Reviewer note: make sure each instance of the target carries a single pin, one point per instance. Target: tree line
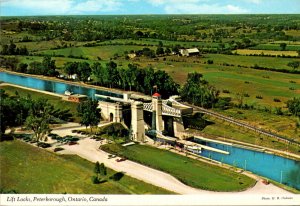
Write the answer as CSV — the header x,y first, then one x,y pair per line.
x,y
12,49
132,78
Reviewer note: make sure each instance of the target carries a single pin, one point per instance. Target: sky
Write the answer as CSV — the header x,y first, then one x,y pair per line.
x,y
107,7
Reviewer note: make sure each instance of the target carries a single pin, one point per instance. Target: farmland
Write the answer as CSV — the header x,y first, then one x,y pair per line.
x,y
266,52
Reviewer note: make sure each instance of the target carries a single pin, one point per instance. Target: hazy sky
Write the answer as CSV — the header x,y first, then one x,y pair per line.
x,y
87,7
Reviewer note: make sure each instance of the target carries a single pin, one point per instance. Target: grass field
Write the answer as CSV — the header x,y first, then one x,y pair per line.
x,y
103,52
28,169
266,52
192,172
232,132
268,84
250,61
282,125
54,100
276,47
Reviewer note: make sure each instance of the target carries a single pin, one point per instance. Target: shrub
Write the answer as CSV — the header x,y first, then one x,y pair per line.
x,y
278,111
246,95
95,180
117,176
210,61
276,100
226,91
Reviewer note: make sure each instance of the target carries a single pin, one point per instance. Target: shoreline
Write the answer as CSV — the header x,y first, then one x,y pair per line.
x,y
74,83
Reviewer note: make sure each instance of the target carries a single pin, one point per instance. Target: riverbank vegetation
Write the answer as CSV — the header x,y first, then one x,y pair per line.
x,y
31,170
191,172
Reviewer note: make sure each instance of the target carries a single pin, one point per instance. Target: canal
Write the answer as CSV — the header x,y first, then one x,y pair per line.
x,y
280,169
53,86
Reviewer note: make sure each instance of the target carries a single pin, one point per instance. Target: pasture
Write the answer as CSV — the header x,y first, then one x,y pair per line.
x,y
276,47
265,52
31,170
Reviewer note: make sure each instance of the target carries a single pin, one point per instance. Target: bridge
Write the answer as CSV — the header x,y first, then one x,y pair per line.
x,y
166,110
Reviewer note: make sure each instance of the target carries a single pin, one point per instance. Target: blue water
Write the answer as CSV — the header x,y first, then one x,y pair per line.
x,y
271,166
52,86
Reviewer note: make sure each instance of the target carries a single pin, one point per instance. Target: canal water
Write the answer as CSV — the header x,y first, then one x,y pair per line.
x,y
53,86
280,169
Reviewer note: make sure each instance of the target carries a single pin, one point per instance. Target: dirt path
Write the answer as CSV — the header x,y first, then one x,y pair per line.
x,y
88,149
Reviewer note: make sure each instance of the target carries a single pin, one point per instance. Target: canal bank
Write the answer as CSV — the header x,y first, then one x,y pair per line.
x,y
282,170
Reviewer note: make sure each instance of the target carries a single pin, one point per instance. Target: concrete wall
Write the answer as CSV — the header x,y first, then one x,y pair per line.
x,y
109,110
137,122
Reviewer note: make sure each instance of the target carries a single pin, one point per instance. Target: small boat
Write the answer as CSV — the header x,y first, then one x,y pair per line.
x,y
68,93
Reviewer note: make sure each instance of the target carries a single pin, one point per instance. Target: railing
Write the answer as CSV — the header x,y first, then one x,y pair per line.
x,y
170,111
148,107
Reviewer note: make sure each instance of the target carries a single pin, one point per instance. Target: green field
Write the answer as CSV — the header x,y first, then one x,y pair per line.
x,y
225,131
276,47
28,169
268,84
282,125
92,53
191,172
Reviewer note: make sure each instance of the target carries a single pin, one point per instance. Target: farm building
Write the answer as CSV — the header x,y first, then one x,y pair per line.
x,y
189,52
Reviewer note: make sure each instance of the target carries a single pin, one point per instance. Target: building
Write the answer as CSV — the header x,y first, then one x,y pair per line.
x,y
189,52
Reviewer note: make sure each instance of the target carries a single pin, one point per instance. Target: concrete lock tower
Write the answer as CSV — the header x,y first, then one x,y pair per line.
x,y
157,113
137,122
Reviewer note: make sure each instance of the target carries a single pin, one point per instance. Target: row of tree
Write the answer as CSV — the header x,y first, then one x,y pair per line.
x,y
133,78
12,49
47,67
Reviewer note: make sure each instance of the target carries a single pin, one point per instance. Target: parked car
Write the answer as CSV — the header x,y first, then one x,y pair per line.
x,y
120,159
72,143
110,156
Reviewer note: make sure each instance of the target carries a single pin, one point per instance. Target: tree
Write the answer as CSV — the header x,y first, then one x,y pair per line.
x,y
160,51
294,64
89,113
22,67
97,169
71,68
197,91
48,66
39,119
294,106
103,170
84,71
12,48
283,46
